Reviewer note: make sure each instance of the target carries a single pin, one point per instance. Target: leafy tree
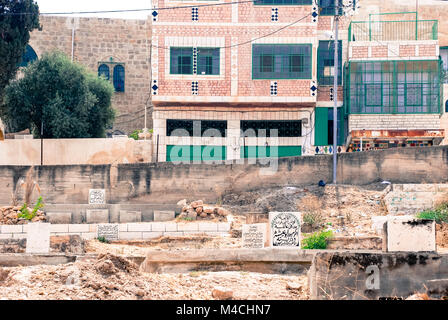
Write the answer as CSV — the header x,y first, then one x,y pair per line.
x,y
71,101
17,19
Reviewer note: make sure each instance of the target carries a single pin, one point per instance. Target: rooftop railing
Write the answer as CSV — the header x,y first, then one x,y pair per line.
x,y
393,30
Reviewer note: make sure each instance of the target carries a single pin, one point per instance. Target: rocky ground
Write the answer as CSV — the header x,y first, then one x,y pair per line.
x,y
110,277
347,210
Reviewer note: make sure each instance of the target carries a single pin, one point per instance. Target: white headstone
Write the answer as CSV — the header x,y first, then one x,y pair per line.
x,y
254,235
406,233
97,196
38,238
285,229
109,232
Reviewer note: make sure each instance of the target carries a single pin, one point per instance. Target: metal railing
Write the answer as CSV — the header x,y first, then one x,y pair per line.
x,y
393,30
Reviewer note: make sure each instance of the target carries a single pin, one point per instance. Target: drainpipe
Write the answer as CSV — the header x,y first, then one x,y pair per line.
x,y
73,40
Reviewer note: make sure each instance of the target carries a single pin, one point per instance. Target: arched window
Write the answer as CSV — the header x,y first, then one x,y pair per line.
x,y
119,78
28,57
103,71
446,106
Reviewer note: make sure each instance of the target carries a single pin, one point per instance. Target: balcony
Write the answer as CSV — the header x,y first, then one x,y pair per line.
x,y
404,30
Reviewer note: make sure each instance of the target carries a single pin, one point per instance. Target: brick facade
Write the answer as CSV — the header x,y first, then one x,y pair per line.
x,y
98,40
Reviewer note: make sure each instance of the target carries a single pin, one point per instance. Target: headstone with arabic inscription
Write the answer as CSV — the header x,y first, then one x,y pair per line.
x,y
254,235
109,232
97,196
285,229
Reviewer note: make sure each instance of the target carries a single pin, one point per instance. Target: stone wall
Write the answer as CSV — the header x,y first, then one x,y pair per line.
x,y
393,121
167,183
98,40
27,152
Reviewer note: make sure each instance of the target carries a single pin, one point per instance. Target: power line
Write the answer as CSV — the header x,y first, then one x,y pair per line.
x,y
125,10
251,40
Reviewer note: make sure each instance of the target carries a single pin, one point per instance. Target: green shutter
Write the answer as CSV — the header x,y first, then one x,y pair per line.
x,y
321,127
265,152
195,153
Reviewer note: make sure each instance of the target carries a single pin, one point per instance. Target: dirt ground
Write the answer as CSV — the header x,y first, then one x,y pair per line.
x,y
111,277
345,209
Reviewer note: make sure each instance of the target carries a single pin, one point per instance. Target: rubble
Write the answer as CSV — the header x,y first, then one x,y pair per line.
x,y
10,215
221,293
197,210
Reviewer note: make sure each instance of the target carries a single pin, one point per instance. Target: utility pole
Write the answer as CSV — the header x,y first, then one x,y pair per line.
x,y
335,93
42,142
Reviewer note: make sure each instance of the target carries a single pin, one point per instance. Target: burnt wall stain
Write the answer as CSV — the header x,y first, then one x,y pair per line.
x,y
363,260
417,222
148,180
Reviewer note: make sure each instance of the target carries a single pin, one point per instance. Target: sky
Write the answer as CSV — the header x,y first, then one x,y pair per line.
x,y
97,5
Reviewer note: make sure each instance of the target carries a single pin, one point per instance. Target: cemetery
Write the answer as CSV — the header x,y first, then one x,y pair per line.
x,y
296,248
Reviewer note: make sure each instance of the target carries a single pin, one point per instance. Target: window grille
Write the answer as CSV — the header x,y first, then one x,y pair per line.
x,y
325,63
119,76
104,71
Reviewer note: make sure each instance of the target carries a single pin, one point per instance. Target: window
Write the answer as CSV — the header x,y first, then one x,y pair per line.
x,y
286,128
386,87
208,61
291,61
328,9
283,2
28,57
201,61
195,128
104,71
325,63
181,61
119,78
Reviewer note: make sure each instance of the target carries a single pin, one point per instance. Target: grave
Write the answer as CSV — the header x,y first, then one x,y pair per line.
x,y
97,196
284,229
38,238
161,216
97,216
405,233
109,232
254,235
130,216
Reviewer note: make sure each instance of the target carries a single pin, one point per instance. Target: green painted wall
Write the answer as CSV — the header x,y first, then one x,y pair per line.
x,y
265,152
195,153
321,127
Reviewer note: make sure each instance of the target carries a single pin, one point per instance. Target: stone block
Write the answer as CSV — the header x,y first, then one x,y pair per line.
x,y
170,226
11,228
59,217
173,234
38,238
19,235
224,226
130,216
208,226
131,235
158,226
139,227
411,234
78,228
254,235
164,216
89,235
188,226
152,235
59,228
378,224
97,216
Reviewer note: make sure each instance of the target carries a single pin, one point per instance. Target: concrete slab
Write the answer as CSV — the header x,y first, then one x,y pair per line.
x,y
163,216
97,216
38,238
59,217
411,234
127,216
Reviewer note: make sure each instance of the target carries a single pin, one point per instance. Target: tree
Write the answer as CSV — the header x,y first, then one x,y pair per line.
x,y
17,19
71,101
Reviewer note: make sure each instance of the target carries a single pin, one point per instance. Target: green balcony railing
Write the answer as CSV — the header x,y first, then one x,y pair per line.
x,y
393,30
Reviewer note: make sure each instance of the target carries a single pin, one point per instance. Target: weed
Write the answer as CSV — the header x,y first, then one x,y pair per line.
x,y
103,240
440,214
318,240
312,209
25,213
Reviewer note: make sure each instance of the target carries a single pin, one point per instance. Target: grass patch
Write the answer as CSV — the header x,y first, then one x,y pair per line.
x,y
317,240
440,214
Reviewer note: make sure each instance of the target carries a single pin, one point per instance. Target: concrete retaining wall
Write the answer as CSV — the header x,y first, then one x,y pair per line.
x,y
413,198
127,231
168,183
373,275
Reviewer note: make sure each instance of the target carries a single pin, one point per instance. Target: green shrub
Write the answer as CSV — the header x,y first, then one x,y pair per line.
x,y
440,214
134,135
25,213
317,240
103,240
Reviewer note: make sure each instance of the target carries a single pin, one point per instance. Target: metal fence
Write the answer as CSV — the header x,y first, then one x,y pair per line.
x,y
393,30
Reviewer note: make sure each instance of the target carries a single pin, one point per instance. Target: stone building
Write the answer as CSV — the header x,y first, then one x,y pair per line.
x,y
117,48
